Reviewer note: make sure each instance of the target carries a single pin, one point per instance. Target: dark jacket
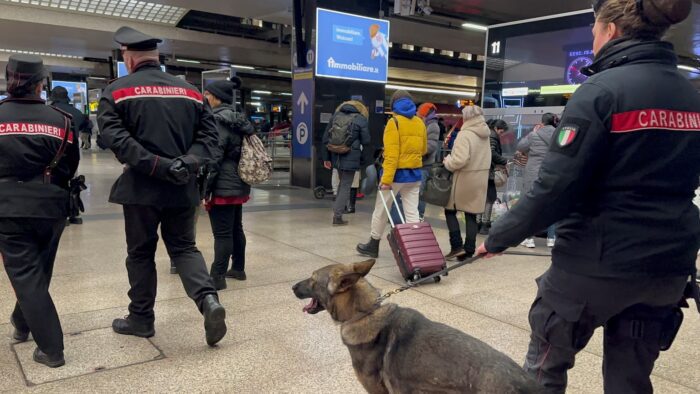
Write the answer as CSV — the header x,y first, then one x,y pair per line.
x,y
148,118
224,180
621,174
31,134
497,158
79,122
361,140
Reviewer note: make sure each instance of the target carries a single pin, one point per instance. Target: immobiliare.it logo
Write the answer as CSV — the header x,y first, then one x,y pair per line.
x,y
352,66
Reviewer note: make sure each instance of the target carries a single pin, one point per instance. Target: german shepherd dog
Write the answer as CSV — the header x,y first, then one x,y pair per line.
x,y
398,350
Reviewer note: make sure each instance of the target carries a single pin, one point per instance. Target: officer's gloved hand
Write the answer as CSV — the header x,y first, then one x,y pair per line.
x,y
178,172
190,162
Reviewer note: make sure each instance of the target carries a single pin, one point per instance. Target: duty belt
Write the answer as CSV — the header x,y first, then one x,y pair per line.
x,y
36,179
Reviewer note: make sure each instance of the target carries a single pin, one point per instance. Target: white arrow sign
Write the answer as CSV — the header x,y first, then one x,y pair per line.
x,y
302,102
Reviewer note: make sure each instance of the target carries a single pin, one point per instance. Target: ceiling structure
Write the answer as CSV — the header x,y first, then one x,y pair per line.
x,y
257,31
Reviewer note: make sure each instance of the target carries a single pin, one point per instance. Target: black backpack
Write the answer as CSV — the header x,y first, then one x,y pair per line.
x,y
340,133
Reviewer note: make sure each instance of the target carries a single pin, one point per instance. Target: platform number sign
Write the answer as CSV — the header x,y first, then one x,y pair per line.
x,y
495,47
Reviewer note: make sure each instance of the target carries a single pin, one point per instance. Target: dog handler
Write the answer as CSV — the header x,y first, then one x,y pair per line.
x,y
620,176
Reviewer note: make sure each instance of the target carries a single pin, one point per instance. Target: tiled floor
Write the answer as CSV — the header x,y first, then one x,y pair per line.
x,y
272,347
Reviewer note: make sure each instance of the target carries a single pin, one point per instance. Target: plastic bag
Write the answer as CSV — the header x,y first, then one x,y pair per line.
x,y
499,209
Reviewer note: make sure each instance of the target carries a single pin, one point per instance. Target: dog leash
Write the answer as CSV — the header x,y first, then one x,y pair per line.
x,y
411,285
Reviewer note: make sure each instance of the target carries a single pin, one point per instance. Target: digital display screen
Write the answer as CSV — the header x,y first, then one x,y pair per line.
x,y
77,92
351,46
538,63
122,71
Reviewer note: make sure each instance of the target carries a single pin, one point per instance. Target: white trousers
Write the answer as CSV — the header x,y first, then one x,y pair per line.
x,y
410,193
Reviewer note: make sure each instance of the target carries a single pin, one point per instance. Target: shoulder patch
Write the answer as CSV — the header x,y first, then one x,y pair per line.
x,y
567,135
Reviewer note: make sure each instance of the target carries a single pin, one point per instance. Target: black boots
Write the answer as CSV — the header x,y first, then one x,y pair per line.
x,y
484,228
338,221
456,246
350,208
219,282
370,249
51,361
214,319
128,326
233,274
18,335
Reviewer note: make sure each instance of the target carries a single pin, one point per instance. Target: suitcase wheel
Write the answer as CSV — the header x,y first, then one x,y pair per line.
x,y
416,277
320,193
437,279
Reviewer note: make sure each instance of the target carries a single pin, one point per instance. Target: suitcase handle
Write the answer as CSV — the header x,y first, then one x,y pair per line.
x,y
388,211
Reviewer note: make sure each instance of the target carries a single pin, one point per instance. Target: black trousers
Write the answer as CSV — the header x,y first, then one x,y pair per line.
x,y
177,229
569,308
28,248
229,238
472,228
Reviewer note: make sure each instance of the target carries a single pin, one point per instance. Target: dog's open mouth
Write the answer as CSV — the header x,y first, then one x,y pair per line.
x,y
313,307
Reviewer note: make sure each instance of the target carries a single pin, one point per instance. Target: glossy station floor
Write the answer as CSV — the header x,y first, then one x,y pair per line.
x,y
272,346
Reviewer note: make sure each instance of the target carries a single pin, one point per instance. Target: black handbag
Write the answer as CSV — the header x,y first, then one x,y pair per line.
x,y
438,186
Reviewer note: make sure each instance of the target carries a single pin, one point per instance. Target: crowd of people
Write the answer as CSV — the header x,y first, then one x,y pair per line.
x,y
628,233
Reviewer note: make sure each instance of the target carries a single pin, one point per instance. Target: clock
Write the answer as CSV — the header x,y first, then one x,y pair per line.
x,y
573,71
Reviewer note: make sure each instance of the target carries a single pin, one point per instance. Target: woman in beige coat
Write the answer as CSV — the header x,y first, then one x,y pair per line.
x,y
469,162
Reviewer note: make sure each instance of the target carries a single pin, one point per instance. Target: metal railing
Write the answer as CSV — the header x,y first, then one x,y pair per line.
x,y
279,147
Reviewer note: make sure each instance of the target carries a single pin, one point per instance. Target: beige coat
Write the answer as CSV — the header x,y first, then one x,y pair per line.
x,y
470,162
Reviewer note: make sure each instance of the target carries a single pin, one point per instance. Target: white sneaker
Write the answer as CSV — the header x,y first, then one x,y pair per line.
x,y
550,242
528,243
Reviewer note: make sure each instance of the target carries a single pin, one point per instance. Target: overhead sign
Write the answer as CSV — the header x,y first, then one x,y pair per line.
x,y
351,46
515,92
302,116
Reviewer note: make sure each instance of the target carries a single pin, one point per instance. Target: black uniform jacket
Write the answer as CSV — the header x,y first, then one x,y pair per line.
x,y
147,119
31,134
621,174
224,180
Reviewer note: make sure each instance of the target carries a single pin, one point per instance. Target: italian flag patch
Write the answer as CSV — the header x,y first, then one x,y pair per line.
x,y
567,135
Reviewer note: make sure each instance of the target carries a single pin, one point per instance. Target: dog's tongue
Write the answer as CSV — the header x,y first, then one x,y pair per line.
x,y
312,304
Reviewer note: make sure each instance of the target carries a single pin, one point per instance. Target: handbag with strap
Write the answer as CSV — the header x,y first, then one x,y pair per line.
x,y
438,186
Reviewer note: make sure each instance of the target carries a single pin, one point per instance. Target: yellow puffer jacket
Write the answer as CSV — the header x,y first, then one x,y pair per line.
x,y
404,147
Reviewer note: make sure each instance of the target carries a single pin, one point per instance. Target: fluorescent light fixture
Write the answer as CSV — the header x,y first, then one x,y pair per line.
x,y
242,67
558,89
688,68
474,26
99,78
256,98
123,9
465,56
444,52
255,104
43,54
428,50
284,72
408,47
285,94
262,91
188,61
430,90
515,92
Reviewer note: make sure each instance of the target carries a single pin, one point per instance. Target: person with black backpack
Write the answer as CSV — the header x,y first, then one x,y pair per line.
x,y
346,138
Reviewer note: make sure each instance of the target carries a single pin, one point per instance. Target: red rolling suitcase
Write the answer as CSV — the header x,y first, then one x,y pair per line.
x,y
415,247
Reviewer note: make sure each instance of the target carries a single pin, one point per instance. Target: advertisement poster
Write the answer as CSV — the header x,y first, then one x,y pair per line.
x,y
351,46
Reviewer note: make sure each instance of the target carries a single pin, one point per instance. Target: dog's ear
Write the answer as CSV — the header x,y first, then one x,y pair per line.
x,y
346,280
343,283
364,267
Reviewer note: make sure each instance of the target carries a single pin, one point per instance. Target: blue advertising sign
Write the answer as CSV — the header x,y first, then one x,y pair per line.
x,y
122,71
302,116
351,46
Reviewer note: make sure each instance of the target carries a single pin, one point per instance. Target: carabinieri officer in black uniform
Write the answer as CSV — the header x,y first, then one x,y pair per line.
x,y
619,182
161,129
38,156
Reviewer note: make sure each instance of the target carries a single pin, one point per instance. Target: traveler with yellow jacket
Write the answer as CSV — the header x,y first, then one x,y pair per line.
x,y
405,144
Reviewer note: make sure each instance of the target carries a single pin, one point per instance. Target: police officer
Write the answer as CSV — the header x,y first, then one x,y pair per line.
x,y
159,127
38,156
619,181
79,123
